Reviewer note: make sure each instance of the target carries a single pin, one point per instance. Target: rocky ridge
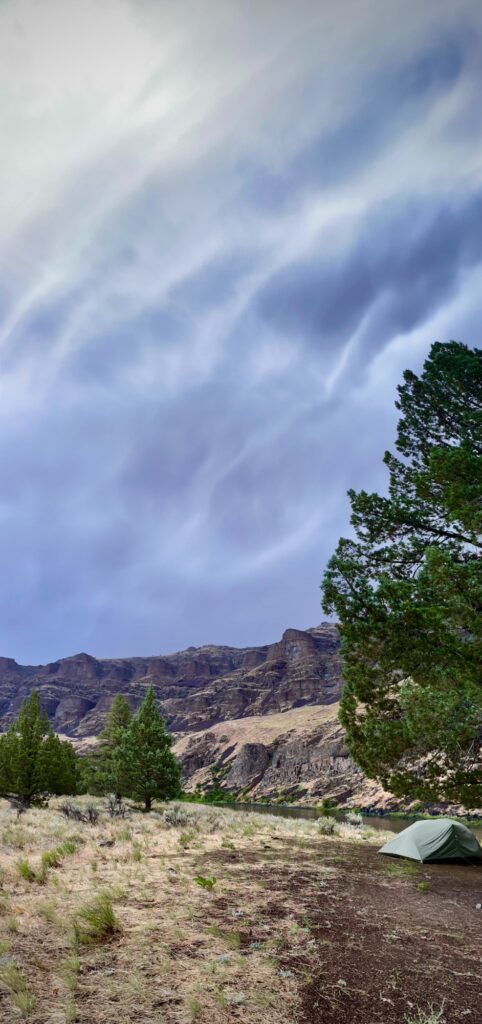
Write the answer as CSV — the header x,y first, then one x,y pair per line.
x,y
197,687
265,718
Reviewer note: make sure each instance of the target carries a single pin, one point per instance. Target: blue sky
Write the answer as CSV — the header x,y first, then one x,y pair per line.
x,y
226,229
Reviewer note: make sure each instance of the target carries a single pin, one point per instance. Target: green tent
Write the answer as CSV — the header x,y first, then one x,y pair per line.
x,y
439,839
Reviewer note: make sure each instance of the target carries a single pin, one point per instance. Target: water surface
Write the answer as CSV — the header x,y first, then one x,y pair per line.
x,y
385,823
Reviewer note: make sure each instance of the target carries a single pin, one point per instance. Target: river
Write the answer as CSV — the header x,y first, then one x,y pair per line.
x,y
385,823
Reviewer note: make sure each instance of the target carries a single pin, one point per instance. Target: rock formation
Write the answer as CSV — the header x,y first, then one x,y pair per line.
x,y
197,687
264,717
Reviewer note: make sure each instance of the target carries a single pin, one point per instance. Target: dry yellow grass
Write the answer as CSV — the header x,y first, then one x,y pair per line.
x,y
179,951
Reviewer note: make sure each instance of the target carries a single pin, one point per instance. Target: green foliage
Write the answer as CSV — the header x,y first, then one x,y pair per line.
x,y
34,762
96,921
143,763
118,719
98,766
25,869
408,593
205,883
327,826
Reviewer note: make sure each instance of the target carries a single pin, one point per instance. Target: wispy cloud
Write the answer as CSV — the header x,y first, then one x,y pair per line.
x,y
224,233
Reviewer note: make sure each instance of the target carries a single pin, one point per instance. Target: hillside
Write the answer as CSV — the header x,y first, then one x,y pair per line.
x,y
298,754
266,716
197,687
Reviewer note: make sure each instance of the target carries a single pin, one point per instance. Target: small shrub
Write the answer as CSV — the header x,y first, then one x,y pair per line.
x,y
70,810
205,883
124,834
136,852
96,921
185,839
177,817
69,846
423,886
71,1012
430,1016
353,818
15,836
91,814
326,826
115,806
52,858
25,869
194,1007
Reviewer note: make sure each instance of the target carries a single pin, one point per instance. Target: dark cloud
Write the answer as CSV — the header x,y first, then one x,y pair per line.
x,y
407,259
177,426
387,103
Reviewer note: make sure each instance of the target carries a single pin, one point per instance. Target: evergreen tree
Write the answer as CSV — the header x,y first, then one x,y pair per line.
x,y
408,593
143,762
118,719
97,768
34,762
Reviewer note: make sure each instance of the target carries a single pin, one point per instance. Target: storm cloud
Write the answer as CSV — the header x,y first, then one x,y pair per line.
x,y
225,232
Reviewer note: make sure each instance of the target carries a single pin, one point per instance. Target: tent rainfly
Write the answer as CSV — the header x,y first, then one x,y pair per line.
x,y
439,839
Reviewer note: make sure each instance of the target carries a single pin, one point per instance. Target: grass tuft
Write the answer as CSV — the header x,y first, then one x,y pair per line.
x,y
96,921
430,1016
25,870
20,994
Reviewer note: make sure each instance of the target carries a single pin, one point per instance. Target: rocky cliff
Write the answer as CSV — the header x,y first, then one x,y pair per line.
x,y
265,718
197,687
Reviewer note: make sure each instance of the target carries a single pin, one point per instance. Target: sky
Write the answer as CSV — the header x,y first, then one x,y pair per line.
x,y
226,228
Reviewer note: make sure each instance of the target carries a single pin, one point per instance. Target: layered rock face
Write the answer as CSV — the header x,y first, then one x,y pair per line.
x,y
265,718
298,754
197,688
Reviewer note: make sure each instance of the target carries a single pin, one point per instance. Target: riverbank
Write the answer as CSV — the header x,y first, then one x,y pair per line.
x,y
379,820
220,916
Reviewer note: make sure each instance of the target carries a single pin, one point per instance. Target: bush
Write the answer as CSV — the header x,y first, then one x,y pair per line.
x,y
96,921
177,817
115,807
326,826
75,813
353,818
70,810
91,814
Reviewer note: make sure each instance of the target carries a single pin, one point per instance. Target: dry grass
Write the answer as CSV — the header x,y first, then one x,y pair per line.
x,y
216,916
110,923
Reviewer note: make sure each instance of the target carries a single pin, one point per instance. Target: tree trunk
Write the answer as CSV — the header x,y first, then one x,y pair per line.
x,y
148,803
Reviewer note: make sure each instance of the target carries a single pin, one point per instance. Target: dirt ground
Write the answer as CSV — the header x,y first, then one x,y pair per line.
x,y
297,927
378,947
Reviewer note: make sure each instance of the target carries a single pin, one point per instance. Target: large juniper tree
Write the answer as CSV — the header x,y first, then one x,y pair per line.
x,y
408,593
143,763
34,762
